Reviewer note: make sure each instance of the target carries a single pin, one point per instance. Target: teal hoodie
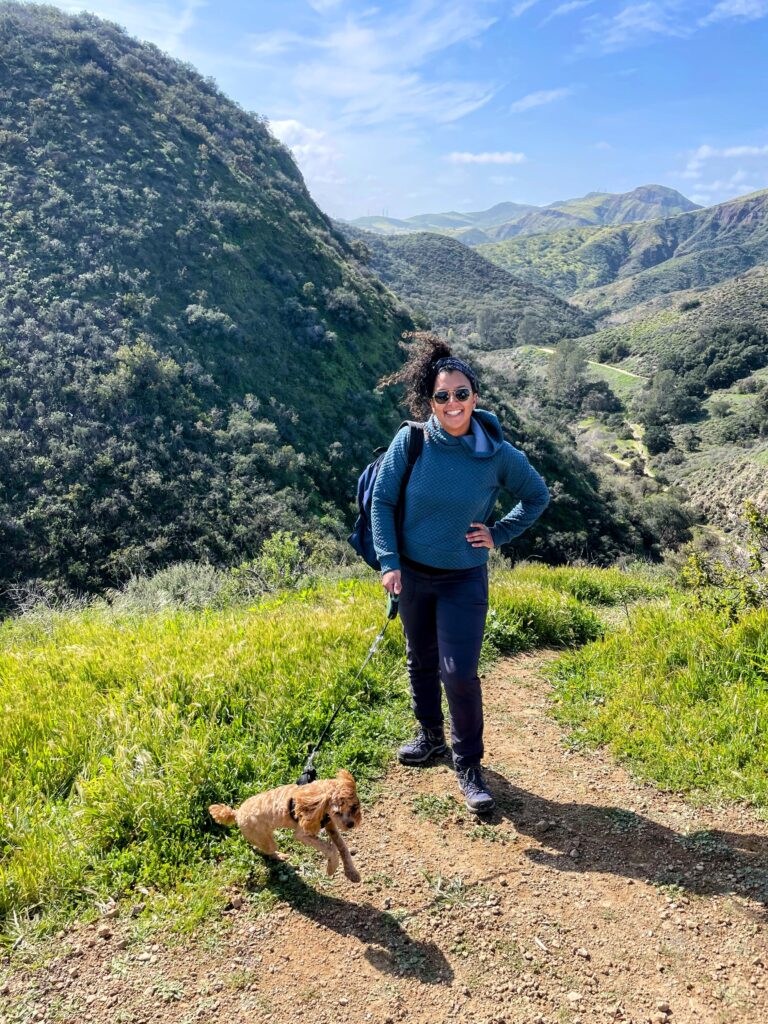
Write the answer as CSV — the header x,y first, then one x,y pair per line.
x,y
454,483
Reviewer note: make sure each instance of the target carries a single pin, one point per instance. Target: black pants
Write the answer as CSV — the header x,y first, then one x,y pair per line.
x,y
444,619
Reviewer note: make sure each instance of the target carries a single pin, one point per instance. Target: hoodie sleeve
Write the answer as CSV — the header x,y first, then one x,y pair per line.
x,y
386,493
520,478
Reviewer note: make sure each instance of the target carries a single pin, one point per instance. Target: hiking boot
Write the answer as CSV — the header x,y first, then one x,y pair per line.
x,y
418,750
476,795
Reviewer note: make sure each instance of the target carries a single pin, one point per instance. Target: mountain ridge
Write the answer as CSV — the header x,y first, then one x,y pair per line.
x,y
646,202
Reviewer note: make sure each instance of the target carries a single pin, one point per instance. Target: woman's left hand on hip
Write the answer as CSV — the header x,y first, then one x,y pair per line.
x,y
479,536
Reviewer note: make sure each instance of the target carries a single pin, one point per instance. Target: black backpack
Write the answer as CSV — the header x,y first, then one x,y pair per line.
x,y
361,538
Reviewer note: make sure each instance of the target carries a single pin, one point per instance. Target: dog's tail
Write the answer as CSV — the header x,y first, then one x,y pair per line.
x,y
223,814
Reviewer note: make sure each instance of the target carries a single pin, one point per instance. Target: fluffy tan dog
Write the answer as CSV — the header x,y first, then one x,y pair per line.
x,y
327,803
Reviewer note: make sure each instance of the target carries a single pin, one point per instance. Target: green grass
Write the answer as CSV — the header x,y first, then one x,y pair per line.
x,y
121,727
682,696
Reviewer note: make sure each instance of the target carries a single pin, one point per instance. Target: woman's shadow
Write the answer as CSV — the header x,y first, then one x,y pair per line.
x,y
388,946
586,837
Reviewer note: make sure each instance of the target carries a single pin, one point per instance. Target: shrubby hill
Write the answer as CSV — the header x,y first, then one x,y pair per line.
x,y
509,220
188,349
604,269
639,337
459,290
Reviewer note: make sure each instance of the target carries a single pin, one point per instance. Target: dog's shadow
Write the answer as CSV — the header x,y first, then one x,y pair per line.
x,y
617,841
388,946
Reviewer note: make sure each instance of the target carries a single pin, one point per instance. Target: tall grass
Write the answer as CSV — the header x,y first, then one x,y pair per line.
x,y
682,696
120,727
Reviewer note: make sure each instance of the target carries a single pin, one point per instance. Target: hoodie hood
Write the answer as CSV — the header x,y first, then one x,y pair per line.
x,y
481,419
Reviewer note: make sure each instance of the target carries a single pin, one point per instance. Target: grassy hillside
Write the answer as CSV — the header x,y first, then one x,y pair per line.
x,y
678,694
188,349
604,269
458,290
121,727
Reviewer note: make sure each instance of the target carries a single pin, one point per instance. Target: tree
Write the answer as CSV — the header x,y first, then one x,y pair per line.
x,y
567,382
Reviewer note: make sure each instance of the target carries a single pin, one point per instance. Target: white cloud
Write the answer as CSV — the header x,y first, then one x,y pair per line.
x,y
522,7
747,10
567,8
314,152
539,99
634,24
369,67
162,22
710,169
323,6
272,44
700,156
638,23
502,179
486,158
603,145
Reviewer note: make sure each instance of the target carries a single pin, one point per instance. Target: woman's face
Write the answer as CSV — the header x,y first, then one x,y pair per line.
x,y
453,416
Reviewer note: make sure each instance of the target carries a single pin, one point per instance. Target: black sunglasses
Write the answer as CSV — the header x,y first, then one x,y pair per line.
x,y
460,394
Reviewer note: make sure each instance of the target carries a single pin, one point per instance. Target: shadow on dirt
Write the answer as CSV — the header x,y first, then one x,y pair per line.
x,y
585,837
388,946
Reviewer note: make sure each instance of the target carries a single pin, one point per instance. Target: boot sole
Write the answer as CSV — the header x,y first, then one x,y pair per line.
x,y
486,809
412,762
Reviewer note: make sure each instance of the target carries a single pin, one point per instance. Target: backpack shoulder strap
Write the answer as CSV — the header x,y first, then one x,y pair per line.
x,y
415,440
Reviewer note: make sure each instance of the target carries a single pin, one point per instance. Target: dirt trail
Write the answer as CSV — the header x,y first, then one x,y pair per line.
x,y
586,898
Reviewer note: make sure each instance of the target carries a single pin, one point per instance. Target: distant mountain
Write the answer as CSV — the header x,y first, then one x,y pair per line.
x,y
604,269
459,290
649,202
510,220
450,223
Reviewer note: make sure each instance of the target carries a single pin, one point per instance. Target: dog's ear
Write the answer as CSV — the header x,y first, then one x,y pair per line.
x,y
311,808
346,777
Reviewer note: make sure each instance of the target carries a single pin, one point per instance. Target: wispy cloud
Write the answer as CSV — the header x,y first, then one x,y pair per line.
x,y
371,66
486,158
563,9
522,7
745,10
636,24
322,6
163,22
539,99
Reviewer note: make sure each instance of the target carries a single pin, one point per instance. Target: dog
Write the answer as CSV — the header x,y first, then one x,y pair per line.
x,y
327,803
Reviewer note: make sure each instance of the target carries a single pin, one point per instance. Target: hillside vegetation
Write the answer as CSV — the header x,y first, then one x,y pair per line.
x,y
188,350
458,290
605,269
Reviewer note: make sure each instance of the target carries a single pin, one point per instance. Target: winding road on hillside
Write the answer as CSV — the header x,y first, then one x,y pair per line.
x,y
588,897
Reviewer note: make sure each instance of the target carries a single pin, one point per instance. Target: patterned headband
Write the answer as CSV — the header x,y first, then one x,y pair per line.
x,y
452,363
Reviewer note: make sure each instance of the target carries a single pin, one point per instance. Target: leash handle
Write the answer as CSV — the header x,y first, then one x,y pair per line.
x,y
310,772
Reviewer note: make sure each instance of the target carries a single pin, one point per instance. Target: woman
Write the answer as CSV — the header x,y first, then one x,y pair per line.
x,y
438,565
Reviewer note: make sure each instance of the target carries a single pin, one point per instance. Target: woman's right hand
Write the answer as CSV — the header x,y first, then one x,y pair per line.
x,y
391,581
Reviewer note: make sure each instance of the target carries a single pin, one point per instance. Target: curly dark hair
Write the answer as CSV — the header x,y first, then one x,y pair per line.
x,y
425,353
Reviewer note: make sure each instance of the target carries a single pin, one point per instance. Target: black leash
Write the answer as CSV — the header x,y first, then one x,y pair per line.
x,y
310,772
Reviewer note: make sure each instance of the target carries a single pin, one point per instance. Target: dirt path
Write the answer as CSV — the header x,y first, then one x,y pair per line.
x,y
586,898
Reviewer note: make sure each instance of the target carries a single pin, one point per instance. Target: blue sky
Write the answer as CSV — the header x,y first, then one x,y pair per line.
x,y
414,106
